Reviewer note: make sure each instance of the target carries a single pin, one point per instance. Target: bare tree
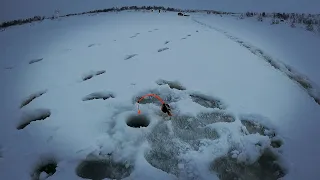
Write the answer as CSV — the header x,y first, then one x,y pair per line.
x,y
260,18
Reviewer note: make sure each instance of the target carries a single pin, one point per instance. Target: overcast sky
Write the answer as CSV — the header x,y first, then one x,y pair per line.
x,y
15,9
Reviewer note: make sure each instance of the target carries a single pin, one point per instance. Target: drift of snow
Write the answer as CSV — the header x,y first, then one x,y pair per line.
x,y
229,107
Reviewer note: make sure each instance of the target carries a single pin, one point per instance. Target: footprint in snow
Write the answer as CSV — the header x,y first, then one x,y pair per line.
x,y
207,101
66,50
92,74
98,95
9,67
135,35
186,37
32,97
130,56
92,45
163,49
172,84
34,115
35,60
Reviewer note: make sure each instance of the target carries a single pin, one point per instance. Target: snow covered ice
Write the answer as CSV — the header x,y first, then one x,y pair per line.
x,y
69,99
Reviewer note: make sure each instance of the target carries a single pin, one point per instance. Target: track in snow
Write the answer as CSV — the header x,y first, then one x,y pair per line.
x,y
295,76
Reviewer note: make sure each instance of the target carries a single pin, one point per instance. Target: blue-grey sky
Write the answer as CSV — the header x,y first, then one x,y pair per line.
x,y
15,9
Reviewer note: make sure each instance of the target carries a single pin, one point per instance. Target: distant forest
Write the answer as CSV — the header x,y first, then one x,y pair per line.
x,y
309,20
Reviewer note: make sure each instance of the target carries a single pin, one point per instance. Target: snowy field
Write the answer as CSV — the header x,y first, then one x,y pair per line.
x,y
243,96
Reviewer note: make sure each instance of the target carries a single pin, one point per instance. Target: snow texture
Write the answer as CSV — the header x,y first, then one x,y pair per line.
x,y
242,106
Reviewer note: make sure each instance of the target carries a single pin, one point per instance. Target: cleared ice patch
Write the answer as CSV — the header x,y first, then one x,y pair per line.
x,y
252,155
33,115
182,133
32,97
164,153
266,167
188,130
99,95
215,117
255,124
101,168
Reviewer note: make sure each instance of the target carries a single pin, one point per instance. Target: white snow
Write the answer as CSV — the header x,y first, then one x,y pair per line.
x,y
43,176
207,62
281,41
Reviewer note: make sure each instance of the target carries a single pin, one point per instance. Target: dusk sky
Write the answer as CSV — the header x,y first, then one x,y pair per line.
x,y
15,9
